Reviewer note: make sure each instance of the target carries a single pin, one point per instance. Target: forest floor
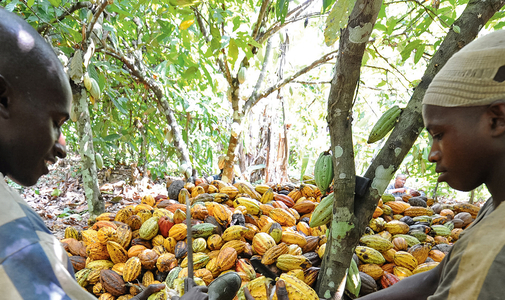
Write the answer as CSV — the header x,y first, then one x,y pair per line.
x,y
59,198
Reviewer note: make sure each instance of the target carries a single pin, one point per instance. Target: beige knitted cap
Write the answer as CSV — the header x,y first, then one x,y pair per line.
x,y
467,77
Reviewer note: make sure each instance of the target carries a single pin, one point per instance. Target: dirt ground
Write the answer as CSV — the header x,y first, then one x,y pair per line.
x,y
59,199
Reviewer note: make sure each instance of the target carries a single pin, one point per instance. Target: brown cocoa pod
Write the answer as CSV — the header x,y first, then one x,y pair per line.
x,y
148,259
112,282
145,243
78,262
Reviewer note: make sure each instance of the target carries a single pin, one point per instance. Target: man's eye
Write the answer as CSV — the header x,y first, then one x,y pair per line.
x,y
437,136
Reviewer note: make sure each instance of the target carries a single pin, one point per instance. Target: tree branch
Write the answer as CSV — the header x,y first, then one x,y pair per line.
x,y
76,6
252,101
257,87
97,14
310,82
278,25
259,21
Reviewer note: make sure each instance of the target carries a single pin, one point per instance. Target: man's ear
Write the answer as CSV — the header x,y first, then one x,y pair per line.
x,y
496,113
4,98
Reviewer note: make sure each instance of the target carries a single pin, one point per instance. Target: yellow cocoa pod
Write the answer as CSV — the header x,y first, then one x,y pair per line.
x,y
116,252
282,217
262,242
406,260
273,253
287,262
131,269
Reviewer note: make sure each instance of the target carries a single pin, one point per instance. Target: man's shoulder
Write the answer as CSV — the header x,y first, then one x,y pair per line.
x,y
20,226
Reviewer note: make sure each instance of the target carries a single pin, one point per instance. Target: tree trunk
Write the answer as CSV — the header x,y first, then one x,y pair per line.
x,y
343,229
406,131
87,152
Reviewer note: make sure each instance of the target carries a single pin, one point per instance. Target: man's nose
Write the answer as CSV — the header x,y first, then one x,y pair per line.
x,y
60,147
434,155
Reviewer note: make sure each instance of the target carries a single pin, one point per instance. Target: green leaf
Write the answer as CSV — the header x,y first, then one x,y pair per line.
x,y
408,49
381,27
419,53
390,23
456,28
305,162
233,51
112,137
120,104
30,3
10,7
326,4
337,19
56,192
281,9
150,111
55,2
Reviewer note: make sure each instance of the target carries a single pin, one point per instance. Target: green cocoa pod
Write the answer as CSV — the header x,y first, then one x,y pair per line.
x,y
323,212
386,122
98,161
323,171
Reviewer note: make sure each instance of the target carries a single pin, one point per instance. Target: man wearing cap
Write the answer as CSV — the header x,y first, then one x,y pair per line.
x,y
464,112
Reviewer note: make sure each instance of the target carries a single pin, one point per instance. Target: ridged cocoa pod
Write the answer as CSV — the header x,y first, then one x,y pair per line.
x,y
169,244
205,275
271,254
149,228
313,257
140,241
148,259
131,269
72,232
212,220
226,258
288,262
178,231
144,215
148,278
244,265
106,234
181,249
199,211
106,296
124,235
112,282
262,242
312,244
116,252
78,262
310,275
89,236
215,242
166,262
94,276
96,251
165,223
101,224
134,221
135,250
123,214
98,289
75,247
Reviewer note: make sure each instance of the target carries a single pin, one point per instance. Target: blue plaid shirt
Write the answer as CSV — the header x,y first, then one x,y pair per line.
x,y
33,264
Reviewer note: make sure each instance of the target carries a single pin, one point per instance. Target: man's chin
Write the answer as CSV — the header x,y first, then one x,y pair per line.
x,y
24,180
